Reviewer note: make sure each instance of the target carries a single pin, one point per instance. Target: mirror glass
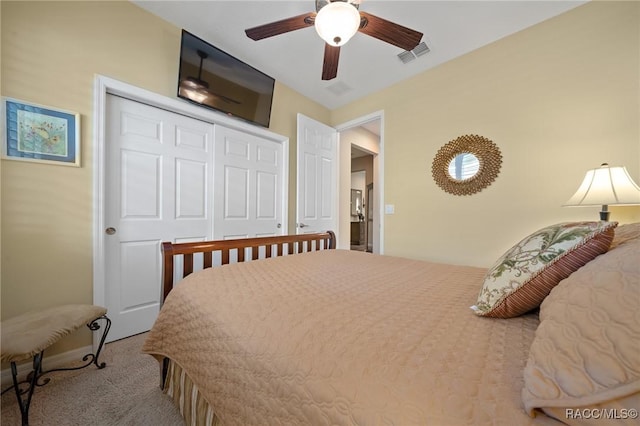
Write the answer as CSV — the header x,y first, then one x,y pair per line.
x,y
356,202
464,166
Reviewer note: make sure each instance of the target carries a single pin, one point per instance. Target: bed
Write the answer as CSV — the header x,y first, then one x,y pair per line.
x,y
304,333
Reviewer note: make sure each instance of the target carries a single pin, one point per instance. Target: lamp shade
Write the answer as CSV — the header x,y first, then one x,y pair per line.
x,y
606,185
337,22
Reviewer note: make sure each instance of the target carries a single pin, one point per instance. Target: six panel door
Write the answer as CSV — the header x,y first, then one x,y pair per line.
x,y
159,181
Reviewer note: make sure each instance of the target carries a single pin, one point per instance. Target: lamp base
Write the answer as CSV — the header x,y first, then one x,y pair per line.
x,y
604,213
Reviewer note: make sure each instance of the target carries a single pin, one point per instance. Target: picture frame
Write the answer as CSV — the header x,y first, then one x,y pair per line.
x,y
41,134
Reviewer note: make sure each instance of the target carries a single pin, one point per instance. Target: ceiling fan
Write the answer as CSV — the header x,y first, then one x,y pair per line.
x,y
197,89
336,21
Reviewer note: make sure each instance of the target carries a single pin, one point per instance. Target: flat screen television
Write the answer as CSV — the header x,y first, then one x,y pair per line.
x,y
214,79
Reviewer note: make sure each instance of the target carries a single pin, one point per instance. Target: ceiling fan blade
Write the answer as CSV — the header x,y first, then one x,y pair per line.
x,y
392,33
330,65
281,27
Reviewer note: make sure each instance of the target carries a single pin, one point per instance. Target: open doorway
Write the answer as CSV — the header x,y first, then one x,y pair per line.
x,y
361,214
358,237
362,140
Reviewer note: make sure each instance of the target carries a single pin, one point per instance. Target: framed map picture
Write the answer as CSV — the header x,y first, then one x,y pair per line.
x,y
40,134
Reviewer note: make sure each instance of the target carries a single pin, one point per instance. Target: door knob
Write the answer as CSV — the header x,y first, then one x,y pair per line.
x,y
110,231
302,225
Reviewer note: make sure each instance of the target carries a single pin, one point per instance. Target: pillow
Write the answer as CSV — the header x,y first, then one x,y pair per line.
x,y
584,362
523,276
625,234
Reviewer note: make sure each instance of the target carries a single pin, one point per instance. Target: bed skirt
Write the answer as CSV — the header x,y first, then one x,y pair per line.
x,y
195,410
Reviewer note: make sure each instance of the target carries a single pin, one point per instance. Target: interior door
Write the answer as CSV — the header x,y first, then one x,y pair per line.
x,y
317,177
158,181
248,192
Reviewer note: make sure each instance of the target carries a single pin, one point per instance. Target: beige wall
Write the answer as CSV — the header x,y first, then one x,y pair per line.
x,y
51,52
558,98
364,164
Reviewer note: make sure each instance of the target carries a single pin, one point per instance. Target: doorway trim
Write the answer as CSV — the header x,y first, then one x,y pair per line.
x,y
379,159
105,85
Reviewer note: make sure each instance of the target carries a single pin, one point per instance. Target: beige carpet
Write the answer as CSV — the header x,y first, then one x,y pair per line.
x,y
125,392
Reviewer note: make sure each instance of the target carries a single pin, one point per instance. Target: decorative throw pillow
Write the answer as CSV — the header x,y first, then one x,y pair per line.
x,y
526,273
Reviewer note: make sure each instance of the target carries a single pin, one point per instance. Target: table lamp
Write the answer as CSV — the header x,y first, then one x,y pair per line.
x,y
605,186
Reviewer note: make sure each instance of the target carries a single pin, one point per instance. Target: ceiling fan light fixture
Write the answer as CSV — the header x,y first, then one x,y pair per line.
x,y
195,83
337,22
198,94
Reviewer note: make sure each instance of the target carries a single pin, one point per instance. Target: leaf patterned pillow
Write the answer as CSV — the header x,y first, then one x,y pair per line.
x,y
523,276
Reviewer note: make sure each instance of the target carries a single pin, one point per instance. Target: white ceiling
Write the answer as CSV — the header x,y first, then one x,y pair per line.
x,y
451,28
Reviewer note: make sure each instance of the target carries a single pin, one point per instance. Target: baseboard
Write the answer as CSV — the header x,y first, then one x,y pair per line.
x,y
48,363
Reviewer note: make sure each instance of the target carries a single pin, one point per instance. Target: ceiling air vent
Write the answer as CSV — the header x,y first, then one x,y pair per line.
x,y
338,88
410,55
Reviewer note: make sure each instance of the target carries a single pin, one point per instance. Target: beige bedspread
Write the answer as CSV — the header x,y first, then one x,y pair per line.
x,y
339,337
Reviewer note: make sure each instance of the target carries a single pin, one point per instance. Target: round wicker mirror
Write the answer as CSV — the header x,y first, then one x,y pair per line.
x,y
466,165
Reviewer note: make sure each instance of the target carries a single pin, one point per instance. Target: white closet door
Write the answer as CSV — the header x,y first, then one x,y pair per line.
x,y
158,185
248,185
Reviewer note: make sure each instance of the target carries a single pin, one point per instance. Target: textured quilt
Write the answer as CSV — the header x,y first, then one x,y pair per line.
x,y
339,337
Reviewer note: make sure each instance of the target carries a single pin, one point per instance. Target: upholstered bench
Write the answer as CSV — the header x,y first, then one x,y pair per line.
x,y
26,336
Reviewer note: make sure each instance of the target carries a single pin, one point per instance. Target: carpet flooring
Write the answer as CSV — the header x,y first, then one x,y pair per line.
x,y
125,392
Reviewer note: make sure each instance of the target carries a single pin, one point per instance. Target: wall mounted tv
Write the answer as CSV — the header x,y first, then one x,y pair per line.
x,y
214,79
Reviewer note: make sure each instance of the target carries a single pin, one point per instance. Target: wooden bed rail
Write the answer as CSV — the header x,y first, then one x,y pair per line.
x,y
273,246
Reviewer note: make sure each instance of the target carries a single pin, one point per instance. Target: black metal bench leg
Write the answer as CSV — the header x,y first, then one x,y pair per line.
x,y
32,379
90,358
93,326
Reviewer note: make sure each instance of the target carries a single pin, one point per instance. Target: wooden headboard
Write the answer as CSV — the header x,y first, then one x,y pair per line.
x,y
273,246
